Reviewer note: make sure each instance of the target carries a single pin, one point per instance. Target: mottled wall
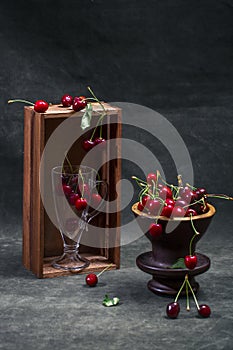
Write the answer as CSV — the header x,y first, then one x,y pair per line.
x,y
172,56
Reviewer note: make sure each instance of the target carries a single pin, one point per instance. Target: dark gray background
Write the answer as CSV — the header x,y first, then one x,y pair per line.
x,y
173,56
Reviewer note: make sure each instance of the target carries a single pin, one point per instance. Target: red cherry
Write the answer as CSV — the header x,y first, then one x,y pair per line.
x,y
188,195
204,310
41,106
153,206
181,203
140,206
145,200
151,178
190,261
100,141
170,201
155,230
79,103
178,212
167,210
73,198
95,200
173,310
81,204
67,100
91,280
67,189
200,192
165,192
190,212
88,145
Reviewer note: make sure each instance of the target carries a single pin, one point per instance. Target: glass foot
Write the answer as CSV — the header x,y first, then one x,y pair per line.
x,y
70,262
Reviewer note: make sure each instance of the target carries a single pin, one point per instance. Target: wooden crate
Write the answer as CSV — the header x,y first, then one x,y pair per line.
x,y
41,239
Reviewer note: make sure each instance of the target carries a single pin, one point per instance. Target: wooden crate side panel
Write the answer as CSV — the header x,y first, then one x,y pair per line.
x,y
27,186
37,229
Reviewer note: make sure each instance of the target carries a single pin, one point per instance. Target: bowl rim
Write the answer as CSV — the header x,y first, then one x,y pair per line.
x,y
208,214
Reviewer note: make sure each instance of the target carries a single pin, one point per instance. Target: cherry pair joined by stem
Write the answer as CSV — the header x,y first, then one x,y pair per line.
x,y
173,308
89,144
77,103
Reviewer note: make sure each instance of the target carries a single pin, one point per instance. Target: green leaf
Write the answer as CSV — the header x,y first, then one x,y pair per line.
x,y
110,302
179,264
86,118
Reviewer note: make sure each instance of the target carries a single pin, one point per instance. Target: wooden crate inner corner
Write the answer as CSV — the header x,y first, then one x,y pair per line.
x,y
41,239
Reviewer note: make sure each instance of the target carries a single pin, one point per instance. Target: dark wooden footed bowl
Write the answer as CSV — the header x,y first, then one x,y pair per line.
x,y
169,247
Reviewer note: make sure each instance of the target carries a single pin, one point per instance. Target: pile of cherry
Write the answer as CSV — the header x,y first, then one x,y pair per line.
x,y
159,198
79,195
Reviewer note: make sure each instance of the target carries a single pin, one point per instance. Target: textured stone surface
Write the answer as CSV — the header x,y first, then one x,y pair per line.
x,y
173,56
63,313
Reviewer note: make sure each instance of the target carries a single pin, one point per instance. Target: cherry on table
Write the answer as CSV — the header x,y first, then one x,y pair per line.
x,y
41,106
204,310
173,309
91,280
67,100
190,261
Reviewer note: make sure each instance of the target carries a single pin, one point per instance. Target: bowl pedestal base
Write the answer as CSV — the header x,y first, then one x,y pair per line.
x,y
167,281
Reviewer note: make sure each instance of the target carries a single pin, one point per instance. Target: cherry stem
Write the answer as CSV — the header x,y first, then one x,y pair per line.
x,y
196,234
180,182
97,124
222,196
92,93
153,187
190,204
81,175
187,296
192,187
137,179
156,184
69,163
182,286
193,294
106,268
19,100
